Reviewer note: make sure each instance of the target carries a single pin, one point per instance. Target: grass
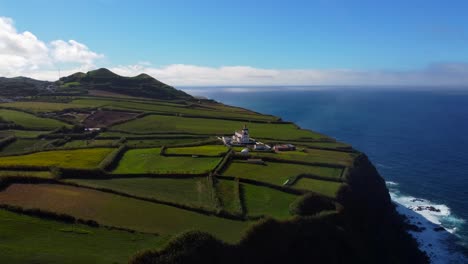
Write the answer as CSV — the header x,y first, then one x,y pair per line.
x,y
28,239
22,133
161,124
39,107
162,107
195,192
80,158
70,84
30,121
207,150
35,174
312,155
229,197
89,143
277,173
160,142
266,201
326,188
24,145
144,161
115,210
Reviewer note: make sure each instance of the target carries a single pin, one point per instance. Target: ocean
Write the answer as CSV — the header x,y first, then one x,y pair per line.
x,y
417,139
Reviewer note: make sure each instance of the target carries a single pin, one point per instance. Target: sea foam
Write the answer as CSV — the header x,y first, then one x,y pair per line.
x,y
436,223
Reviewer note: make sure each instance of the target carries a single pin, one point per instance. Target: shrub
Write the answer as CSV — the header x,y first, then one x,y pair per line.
x,y
310,204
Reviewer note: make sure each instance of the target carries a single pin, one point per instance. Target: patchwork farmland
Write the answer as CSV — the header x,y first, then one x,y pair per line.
x,y
113,173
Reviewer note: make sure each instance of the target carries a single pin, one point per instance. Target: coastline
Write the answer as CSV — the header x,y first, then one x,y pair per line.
x,y
433,238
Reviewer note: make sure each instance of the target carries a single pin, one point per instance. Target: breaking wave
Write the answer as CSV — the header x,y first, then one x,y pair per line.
x,y
437,226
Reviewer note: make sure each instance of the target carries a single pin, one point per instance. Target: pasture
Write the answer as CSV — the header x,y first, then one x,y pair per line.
x,y
24,145
33,174
326,188
115,210
229,196
264,201
89,143
312,155
161,124
27,239
149,161
277,173
30,121
21,133
195,192
169,108
79,158
40,107
206,150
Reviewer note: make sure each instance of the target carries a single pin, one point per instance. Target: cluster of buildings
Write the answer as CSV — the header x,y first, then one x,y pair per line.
x,y
242,138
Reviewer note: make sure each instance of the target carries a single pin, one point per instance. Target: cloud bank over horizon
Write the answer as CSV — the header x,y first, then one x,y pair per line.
x,y
24,54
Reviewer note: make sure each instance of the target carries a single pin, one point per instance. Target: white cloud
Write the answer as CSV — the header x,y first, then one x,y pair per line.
x,y
25,54
192,75
73,51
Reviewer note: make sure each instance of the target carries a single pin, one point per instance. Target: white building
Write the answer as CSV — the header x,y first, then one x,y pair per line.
x,y
242,136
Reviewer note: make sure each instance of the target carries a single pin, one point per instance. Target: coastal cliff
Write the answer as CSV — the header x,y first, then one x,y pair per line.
x,y
365,229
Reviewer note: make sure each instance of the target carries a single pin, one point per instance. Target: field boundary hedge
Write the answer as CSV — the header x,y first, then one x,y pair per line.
x,y
112,159
224,162
7,141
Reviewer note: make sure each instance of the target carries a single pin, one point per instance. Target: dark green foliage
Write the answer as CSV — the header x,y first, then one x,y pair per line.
x,y
6,141
112,160
190,247
21,86
310,204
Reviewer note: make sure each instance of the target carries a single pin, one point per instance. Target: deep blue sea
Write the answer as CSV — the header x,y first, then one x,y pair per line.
x,y
417,139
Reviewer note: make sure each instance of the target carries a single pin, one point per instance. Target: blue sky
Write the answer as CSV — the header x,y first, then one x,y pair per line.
x,y
324,36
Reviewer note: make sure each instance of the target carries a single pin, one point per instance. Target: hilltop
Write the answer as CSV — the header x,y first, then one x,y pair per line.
x,y
142,85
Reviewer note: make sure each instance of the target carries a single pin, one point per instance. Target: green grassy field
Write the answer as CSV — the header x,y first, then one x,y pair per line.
x,y
312,155
229,197
22,133
196,192
142,143
39,107
89,143
207,150
35,174
80,158
277,173
266,201
26,239
326,188
30,121
158,123
115,210
144,161
24,145
168,108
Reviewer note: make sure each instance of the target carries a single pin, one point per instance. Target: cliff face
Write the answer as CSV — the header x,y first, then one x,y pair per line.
x,y
368,214
366,229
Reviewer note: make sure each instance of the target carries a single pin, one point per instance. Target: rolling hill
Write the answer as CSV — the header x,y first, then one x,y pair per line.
x,y
142,85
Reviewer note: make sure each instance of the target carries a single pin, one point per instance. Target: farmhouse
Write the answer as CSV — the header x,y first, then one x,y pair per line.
x,y
285,147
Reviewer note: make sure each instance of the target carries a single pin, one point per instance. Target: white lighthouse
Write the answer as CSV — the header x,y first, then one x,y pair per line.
x,y
242,136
